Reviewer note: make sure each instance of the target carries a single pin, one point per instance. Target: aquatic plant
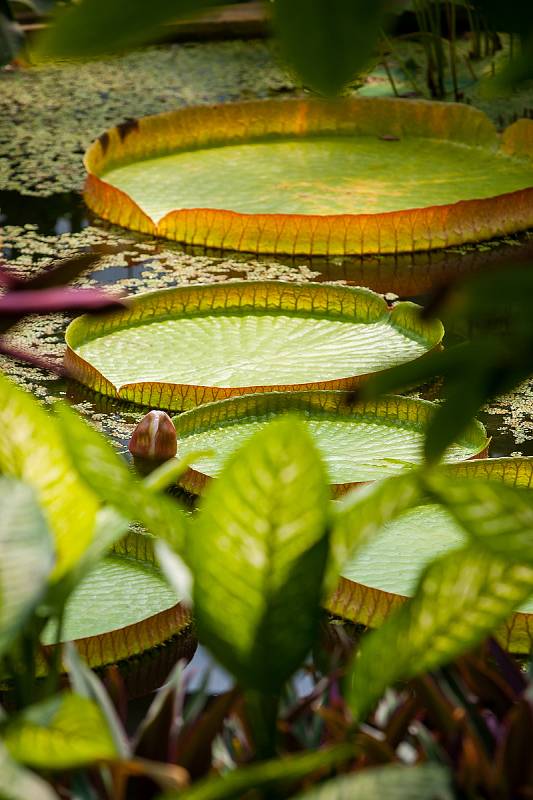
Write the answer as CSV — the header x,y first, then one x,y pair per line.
x,y
388,184
218,340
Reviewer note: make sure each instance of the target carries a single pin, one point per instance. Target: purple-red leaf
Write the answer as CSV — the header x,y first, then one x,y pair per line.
x,y
44,301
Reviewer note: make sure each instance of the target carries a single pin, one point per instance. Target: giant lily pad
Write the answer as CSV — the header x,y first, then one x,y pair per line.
x,y
178,348
358,443
384,573
365,175
124,608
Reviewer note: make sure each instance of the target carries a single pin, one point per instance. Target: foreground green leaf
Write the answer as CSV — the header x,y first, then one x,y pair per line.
x,y
109,476
63,732
96,27
460,599
328,43
496,516
27,557
86,683
32,449
258,553
362,513
392,782
269,773
17,783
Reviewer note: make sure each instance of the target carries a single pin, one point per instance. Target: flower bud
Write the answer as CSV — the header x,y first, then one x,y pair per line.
x,y
154,438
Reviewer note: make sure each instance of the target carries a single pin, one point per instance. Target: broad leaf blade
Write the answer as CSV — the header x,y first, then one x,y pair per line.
x,y
96,27
17,783
27,557
86,683
32,449
109,476
328,43
363,512
496,516
258,553
63,732
392,782
460,599
268,773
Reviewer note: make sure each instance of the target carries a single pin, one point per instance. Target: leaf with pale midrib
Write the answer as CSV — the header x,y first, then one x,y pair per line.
x,y
32,449
460,599
258,553
63,732
391,782
17,783
496,516
109,476
27,557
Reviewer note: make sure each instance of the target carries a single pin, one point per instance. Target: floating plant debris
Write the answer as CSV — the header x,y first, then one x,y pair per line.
x,y
178,348
358,443
384,573
363,176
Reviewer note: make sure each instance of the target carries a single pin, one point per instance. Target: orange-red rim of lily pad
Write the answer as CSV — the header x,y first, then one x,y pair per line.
x,y
317,300
409,230
131,641
369,606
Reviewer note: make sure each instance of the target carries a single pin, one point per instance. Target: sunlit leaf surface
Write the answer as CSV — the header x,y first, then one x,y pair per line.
x,y
178,348
258,553
27,556
363,175
357,443
60,733
403,538
32,449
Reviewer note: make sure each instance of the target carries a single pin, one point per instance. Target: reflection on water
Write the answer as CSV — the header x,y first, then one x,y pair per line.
x,y
57,214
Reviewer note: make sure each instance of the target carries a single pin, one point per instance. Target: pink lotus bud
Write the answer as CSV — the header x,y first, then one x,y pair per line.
x,y
154,438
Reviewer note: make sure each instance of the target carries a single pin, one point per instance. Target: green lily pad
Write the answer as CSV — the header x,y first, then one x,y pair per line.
x,y
364,175
385,571
123,607
178,348
359,443
321,175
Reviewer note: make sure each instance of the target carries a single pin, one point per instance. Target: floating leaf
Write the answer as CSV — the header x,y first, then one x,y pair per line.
x,y
258,553
394,538
101,617
495,516
460,599
27,557
219,340
63,732
32,449
358,443
313,178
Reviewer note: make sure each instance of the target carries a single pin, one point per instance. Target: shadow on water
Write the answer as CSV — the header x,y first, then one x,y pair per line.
x,y
57,214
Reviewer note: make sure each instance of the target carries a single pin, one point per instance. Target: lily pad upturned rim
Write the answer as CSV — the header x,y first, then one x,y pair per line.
x,y
408,230
369,606
311,300
132,641
403,411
